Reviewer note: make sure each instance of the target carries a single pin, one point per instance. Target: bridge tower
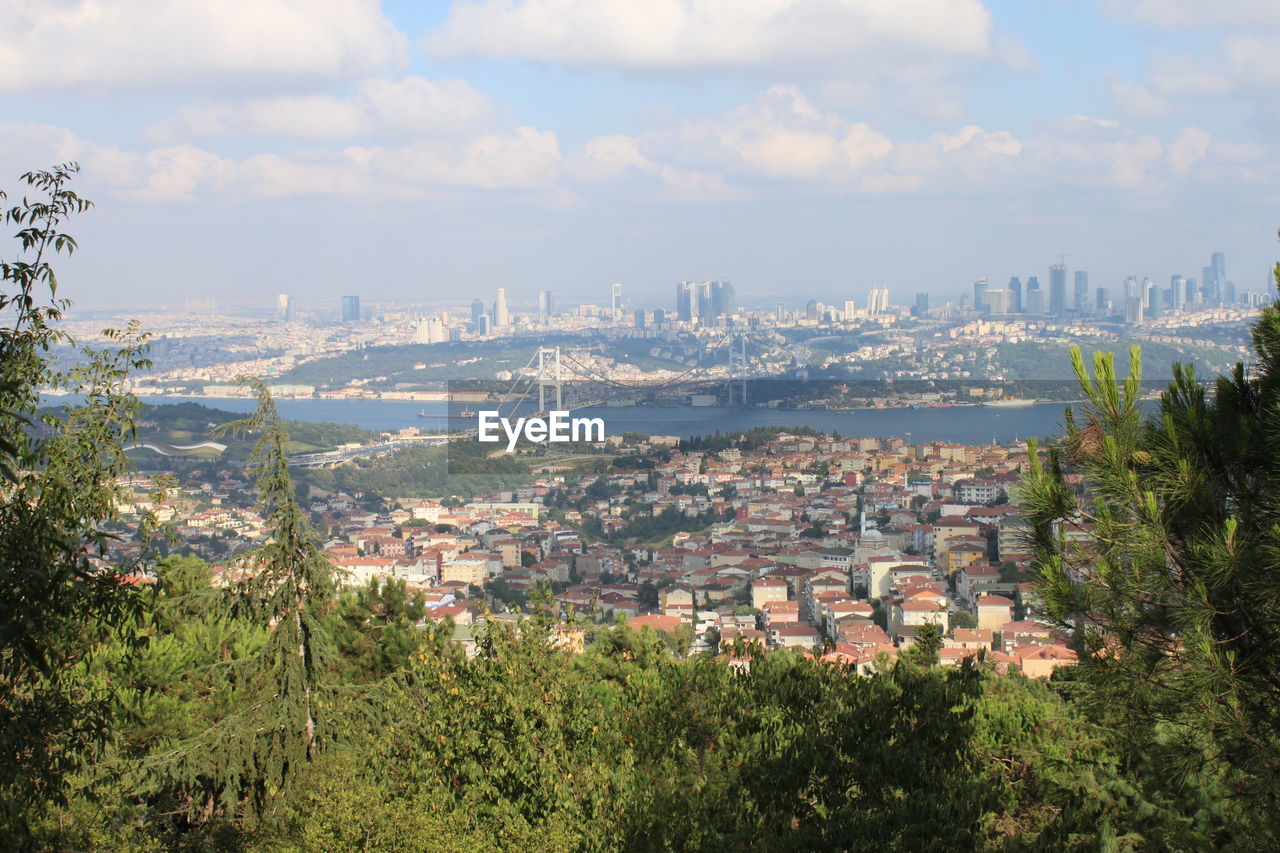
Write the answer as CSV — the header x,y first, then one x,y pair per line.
x,y
737,370
549,374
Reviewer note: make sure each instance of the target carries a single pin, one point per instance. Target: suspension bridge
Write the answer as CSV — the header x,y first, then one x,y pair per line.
x,y
556,380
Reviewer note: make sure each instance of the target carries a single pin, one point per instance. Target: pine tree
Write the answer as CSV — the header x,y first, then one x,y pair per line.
x,y
231,770
1176,595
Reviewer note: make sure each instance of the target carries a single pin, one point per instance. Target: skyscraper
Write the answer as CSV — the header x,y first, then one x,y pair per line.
x,y
282,304
1208,284
477,311
849,310
704,301
980,294
615,301
351,309
811,310
546,306
997,301
1080,302
722,299
686,301
921,308
1058,290
1033,299
1155,301
1015,298
1102,302
500,315
1178,291
290,310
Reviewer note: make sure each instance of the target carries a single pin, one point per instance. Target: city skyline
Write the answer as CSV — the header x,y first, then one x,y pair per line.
x,y
530,145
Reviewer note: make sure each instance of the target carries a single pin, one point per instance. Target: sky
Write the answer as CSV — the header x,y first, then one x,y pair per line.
x,y
803,149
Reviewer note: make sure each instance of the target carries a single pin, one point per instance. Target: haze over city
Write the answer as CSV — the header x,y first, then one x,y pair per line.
x,y
237,150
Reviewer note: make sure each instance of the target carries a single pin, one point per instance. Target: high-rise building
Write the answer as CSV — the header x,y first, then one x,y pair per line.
x,y
477,311
980,294
878,301
723,299
1155,301
282,303
686,301
704,301
921,308
1058,290
1131,288
639,318
1033,299
1102,302
659,318
1015,298
1034,302
615,301
1211,286
1080,300
1133,309
546,306
997,301
351,309
811,310
286,308
501,317
485,325
1177,292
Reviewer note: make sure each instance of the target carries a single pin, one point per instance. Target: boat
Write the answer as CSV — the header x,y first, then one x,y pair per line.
x,y
464,414
1009,402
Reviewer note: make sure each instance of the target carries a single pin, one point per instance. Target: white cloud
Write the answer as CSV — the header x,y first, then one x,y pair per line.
x,y
675,34
411,106
1136,100
172,44
1242,59
778,143
1190,147
615,160
1199,14
523,160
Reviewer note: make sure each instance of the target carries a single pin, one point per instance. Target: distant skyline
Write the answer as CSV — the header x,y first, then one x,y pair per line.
x,y
817,147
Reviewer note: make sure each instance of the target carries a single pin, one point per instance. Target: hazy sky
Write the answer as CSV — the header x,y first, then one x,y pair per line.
x,y
237,148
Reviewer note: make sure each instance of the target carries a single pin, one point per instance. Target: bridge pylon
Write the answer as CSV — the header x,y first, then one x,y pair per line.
x,y
549,360
738,371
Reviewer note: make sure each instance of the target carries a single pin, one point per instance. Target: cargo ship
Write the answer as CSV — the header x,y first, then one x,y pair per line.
x,y
1009,403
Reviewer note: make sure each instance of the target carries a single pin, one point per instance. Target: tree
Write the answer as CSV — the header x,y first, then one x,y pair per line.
x,y
62,594
1175,599
229,770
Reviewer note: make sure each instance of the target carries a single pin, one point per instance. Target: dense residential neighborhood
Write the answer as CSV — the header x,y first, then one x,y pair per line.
x,y
840,548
